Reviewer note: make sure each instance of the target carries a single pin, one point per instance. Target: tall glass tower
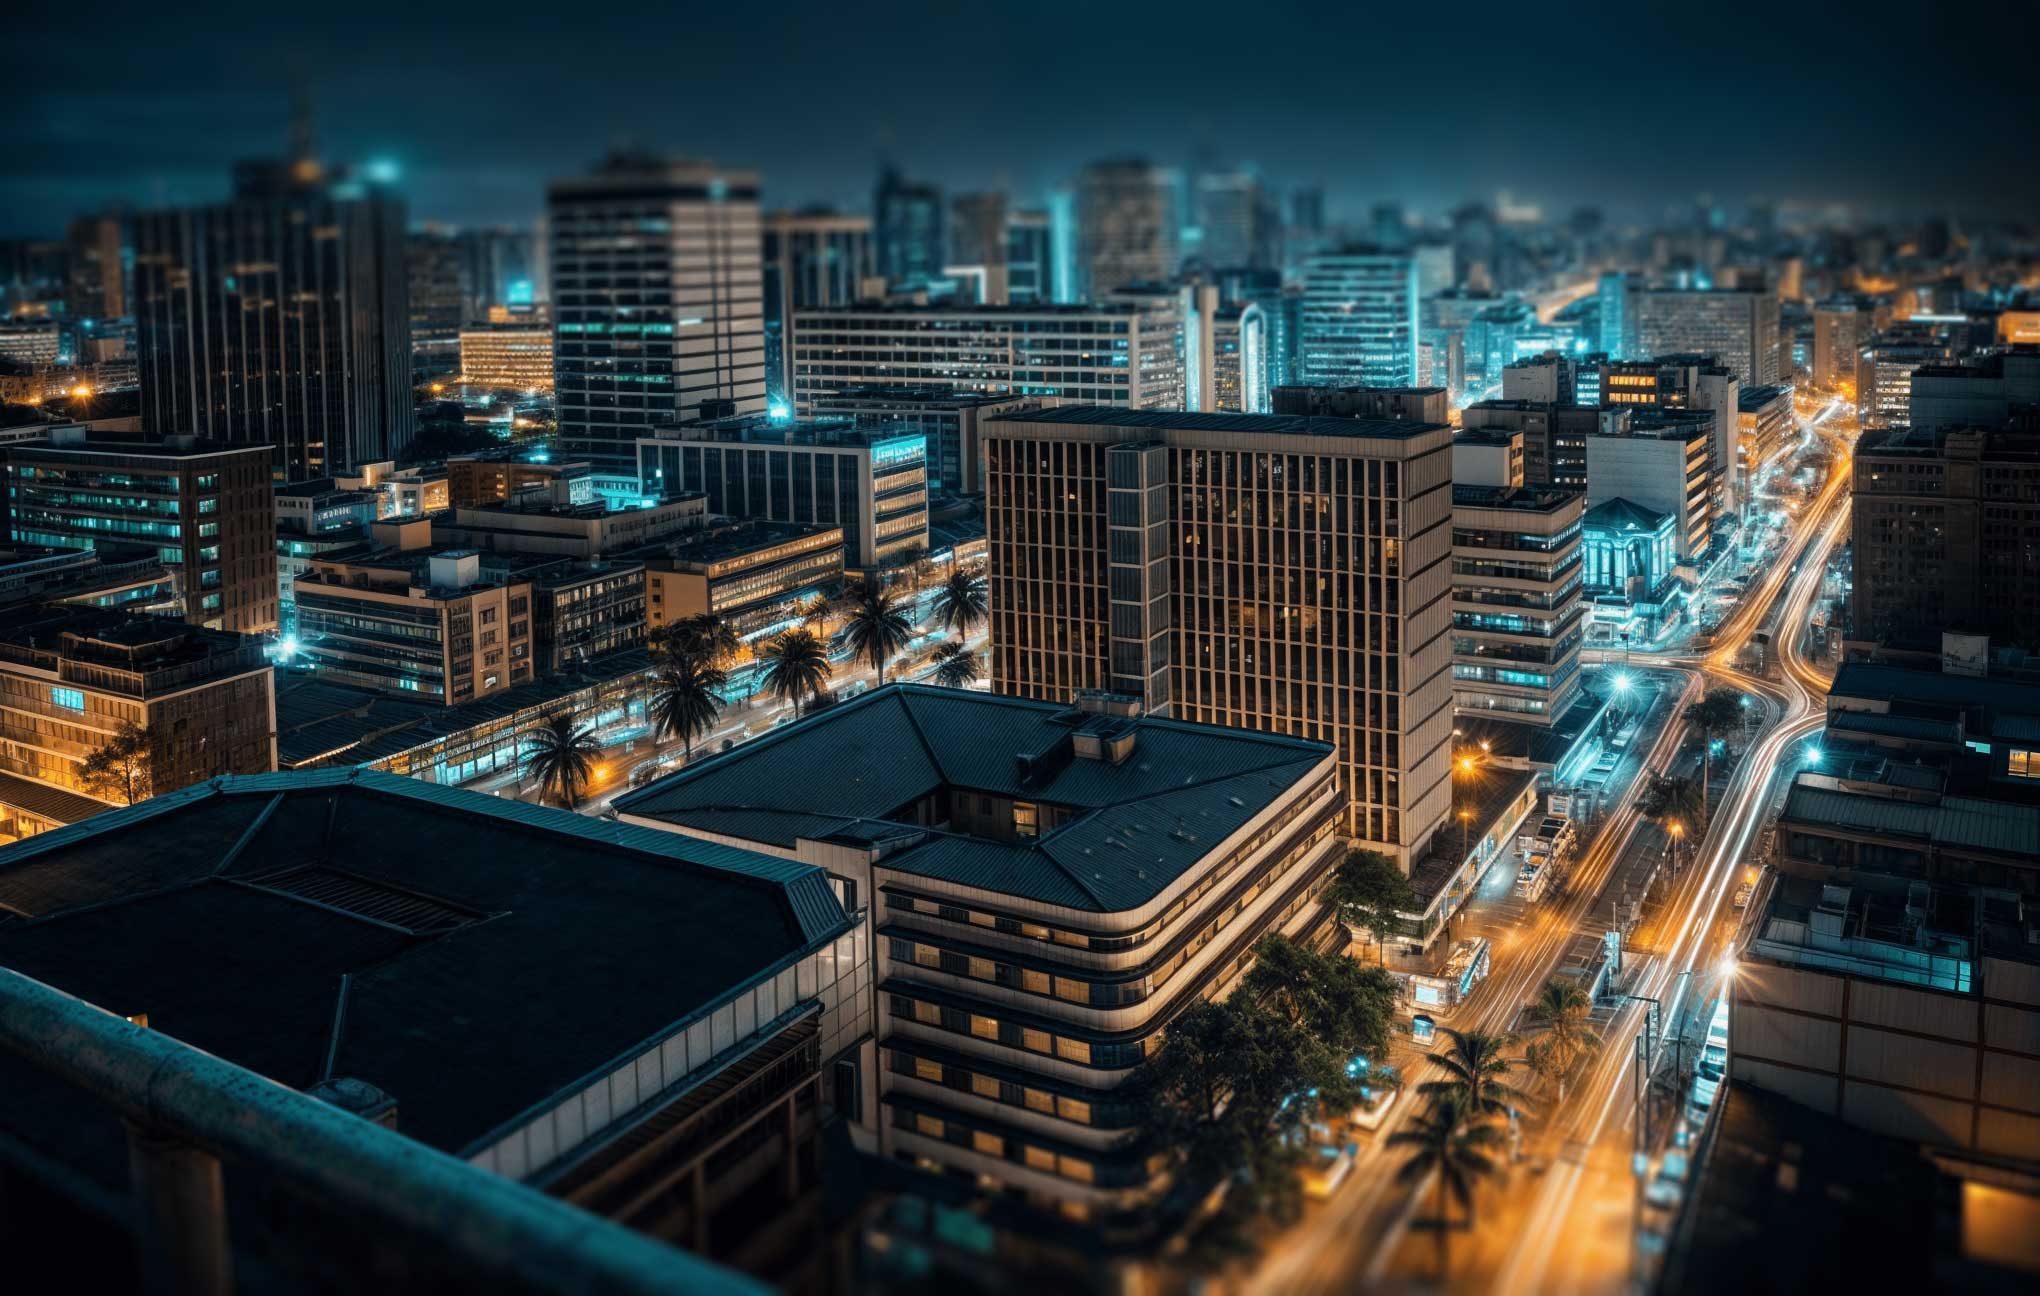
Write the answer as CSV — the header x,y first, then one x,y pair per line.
x,y
1359,320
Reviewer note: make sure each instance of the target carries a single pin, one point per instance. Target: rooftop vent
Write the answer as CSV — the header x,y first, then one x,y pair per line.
x,y
421,915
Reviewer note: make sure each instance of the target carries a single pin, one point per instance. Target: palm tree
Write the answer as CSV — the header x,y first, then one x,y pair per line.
x,y
1478,1074
704,635
1562,1009
814,611
960,604
1715,714
955,665
1674,803
685,701
876,628
1444,1141
796,667
560,754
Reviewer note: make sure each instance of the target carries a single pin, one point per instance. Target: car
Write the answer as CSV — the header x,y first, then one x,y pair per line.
x,y
1326,1169
1713,1062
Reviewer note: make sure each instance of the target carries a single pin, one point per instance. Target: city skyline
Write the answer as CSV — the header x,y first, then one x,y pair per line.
x,y
803,100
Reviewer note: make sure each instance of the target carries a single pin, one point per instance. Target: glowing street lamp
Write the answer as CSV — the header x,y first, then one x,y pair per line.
x,y
1621,683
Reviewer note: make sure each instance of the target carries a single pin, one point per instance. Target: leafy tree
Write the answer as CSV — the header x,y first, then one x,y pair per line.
x,y
121,766
1368,886
1477,1072
797,667
814,611
1563,1010
704,635
876,628
560,755
962,602
1343,1003
1673,800
1713,715
955,665
685,700
1447,1141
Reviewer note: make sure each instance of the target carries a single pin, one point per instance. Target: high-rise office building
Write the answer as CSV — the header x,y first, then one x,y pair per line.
x,y
207,509
1517,610
1554,436
1359,320
1686,382
1127,223
1124,352
657,301
1236,226
1664,461
1264,571
1738,327
99,267
1885,363
812,258
906,225
1945,526
1030,258
977,229
279,318
1617,301
1406,404
440,271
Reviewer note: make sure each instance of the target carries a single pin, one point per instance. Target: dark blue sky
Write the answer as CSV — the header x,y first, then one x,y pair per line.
x,y
1638,106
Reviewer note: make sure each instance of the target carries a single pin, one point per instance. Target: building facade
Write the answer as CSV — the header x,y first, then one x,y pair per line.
x,y
1667,466
206,508
812,259
871,482
1119,353
515,357
1271,572
1127,226
1737,326
753,576
658,301
952,420
1359,320
1517,611
279,318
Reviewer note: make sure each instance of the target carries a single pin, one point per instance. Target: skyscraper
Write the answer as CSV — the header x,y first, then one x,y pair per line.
x,y
906,223
440,271
1738,327
657,301
1030,258
1126,225
98,269
1271,572
279,318
1236,224
812,258
1359,325
977,229
1618,317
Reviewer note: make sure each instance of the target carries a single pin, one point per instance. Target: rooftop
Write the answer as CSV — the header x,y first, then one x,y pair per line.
x,y
935,395
857,767
1751,399
1515,498
1182,420
1893,929
1909,689
380,928
1964,823
735,541
762,429
1620,514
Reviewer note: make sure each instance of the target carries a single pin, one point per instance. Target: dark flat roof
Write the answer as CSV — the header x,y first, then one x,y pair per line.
x,y
843,771
496,955
1184,420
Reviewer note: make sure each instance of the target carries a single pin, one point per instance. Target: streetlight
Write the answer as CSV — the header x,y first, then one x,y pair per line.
x,y
1678,831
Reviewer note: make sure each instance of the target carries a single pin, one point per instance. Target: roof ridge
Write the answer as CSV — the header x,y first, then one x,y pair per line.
x,y
920,735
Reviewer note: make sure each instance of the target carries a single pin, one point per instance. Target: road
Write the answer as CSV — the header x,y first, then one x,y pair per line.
x,y
1577,1232
1569,1228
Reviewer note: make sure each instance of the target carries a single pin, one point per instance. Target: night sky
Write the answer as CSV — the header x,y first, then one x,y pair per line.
x,y
1638,107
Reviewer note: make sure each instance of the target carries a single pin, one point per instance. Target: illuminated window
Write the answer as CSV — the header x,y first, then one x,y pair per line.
x,y
989,1144
928,1013
1040,1100
1073,1109
926,1070
1072,1049
984,1086
2019,763
1038,982
1037,1040
1071,1168
70,698
1040,1159
984,1027
982,969
928,1125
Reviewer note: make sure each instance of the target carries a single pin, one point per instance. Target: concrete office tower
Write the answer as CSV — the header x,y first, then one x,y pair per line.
x,y
440,274
1517,610
1885,364
906,223
1738,327
1127,224
812,258
1270,572
657,301
1030,258
206,510
1664,462
279,318
97,270
1982,392
1554,436
1124,352
1359,323
1946,529
1405,404
1550,378
977,229
1238,228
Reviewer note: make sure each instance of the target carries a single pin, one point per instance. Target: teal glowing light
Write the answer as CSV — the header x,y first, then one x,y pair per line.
x,y
382,171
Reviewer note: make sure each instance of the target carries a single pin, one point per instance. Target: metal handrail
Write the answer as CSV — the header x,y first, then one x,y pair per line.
x,y
505,1233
